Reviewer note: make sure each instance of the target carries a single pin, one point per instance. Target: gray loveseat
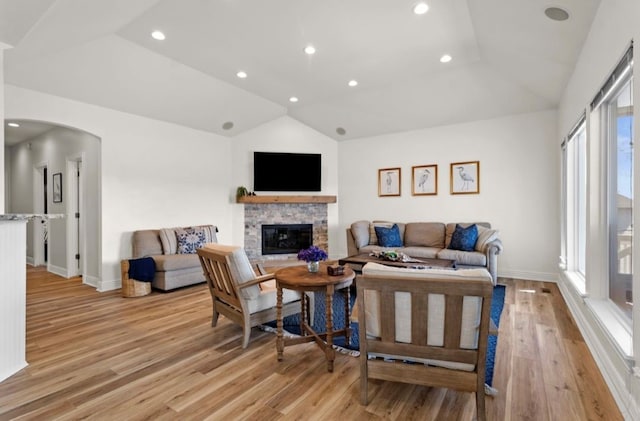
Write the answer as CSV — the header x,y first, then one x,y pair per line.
x,y
173,270
430,240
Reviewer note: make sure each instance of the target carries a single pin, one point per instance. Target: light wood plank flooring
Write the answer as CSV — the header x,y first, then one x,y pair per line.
x,y
100,356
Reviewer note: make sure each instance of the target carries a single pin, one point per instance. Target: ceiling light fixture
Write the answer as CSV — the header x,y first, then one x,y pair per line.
x,y
446,58
241,74
556,13
341,131
293,99
353,83
159,35
13,125
228,125
310,49
421,8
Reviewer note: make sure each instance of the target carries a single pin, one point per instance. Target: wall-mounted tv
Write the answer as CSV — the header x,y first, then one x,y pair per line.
x,y
282,171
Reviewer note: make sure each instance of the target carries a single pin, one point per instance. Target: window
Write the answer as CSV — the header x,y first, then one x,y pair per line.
x,y
575,201
618,116
614,104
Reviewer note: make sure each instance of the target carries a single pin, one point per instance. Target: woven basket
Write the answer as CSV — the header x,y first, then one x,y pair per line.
x,y
131,287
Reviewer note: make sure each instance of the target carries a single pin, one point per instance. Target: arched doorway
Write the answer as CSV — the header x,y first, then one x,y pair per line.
x,y
55,169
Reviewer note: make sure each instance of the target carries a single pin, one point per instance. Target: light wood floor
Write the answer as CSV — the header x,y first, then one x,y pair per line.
x,y
100,356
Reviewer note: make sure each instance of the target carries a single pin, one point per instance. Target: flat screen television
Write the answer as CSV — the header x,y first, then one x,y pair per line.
x,y
282,171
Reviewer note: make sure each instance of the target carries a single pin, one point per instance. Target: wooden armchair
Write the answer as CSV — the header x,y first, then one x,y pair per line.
x,y
437,319
238,293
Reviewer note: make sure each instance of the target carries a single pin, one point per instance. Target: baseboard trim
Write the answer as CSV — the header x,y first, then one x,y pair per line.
x,y
527,275
57,270
91,281
30,261
109,285
615,380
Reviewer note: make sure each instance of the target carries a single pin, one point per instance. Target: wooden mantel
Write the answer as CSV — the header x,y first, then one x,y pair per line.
x,y
287,199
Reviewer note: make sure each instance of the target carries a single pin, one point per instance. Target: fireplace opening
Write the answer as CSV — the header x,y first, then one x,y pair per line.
x,y
286,238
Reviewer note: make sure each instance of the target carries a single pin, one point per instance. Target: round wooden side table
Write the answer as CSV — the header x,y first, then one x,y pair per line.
x,y
298,278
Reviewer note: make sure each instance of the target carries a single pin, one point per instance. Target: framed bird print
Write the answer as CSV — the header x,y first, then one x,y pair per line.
x,y
389,182
424,180
465,177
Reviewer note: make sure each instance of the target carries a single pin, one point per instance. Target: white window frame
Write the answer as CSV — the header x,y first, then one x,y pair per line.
x,y
610,317
610,133
574,184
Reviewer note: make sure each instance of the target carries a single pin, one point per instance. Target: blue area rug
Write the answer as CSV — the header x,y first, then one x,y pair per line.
x,y
292,323
497,304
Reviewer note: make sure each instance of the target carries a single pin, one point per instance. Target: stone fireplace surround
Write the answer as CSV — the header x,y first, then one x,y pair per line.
x,y
256,214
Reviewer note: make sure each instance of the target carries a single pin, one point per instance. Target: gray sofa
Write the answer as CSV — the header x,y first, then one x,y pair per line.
x,y
173,270
430,240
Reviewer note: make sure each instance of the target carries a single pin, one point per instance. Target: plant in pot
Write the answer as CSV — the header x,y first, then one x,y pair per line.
x,y
241,191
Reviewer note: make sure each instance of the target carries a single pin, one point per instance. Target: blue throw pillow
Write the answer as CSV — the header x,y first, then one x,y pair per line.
x,y
464,239
389,237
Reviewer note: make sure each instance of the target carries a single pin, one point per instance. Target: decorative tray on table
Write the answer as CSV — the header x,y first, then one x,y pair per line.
x,y
394,256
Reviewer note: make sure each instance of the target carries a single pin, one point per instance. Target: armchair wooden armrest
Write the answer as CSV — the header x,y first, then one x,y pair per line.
x,y
258,280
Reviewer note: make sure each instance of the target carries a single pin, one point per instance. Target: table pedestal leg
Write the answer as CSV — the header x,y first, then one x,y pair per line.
x,y
347,321
304,309
279,323
329,351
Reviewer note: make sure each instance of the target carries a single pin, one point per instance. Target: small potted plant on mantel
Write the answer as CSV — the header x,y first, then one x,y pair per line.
x,y
241,192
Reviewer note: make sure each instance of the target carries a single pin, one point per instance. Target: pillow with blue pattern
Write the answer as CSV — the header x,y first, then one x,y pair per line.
x,y
389,237
189,239
464,239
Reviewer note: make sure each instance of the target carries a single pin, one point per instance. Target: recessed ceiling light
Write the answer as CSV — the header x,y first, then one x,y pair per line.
x,y
556,13
159,35
241,74
421,8
13,125
341,131
310,49
445,58
228,125
353,83
293,99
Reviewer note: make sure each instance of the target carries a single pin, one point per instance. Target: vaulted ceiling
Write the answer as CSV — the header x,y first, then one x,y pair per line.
x,y
508,57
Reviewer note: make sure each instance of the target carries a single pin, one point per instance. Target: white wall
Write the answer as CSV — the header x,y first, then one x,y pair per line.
x,y
285,135
519,184
5,174
55,147
615,25
154,174
3,187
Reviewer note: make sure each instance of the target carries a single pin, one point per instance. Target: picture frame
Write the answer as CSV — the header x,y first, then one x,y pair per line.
x,y
389,182
465,177
424,180
57,187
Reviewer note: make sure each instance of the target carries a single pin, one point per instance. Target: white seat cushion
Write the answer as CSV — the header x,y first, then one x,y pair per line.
x,y
268,299
470,310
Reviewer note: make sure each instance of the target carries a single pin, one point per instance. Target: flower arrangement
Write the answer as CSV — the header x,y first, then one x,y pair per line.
x,y
312,254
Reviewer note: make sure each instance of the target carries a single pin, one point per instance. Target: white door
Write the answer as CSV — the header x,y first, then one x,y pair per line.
x,y
75,232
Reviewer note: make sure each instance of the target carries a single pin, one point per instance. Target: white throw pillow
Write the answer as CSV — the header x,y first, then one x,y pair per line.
x,y
485,236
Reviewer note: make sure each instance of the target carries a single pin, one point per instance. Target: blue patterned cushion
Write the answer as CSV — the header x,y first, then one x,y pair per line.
x,y
389,237
189,239
464,239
